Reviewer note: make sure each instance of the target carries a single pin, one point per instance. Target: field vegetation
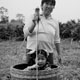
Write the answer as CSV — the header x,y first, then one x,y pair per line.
x,y
13,52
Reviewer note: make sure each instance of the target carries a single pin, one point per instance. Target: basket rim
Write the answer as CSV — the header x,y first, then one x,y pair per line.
x,y
30,74
34,77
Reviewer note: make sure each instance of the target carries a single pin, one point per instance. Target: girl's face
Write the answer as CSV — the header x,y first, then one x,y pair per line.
x,y
41,60
47,8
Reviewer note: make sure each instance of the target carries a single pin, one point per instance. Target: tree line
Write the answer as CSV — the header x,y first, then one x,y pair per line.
x,y
11,31
14,30
70,29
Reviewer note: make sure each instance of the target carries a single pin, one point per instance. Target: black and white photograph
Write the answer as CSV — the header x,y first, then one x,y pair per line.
x,y
39,40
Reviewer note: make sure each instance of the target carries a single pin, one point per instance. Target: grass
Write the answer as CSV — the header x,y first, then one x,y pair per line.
x,y
12,52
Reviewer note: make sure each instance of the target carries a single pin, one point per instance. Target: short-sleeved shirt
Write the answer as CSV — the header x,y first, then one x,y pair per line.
x,y
44,35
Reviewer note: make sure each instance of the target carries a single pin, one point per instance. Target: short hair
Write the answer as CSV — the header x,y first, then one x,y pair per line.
x,y
43,52
40,51
53,2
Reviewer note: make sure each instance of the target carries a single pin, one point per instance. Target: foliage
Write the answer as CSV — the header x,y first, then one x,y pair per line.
x,y
71,29
14,30
4,14
20,17
11,31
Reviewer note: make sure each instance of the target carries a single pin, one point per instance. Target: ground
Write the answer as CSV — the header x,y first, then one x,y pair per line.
x,y
13,52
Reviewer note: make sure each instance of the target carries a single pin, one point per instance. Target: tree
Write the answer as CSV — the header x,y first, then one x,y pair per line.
x,y
20,17
4,14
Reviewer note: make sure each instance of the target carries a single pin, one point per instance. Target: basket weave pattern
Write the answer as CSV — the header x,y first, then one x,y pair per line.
x,y
31,74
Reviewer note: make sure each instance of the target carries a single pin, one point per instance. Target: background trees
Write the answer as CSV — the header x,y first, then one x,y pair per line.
x,y
70,29
10,29
4,14
20,17
14,29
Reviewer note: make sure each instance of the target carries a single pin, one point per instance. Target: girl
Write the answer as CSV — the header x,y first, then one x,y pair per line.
x,y
42,61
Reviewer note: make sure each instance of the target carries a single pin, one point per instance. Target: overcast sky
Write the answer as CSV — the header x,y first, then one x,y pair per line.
x,y
65,10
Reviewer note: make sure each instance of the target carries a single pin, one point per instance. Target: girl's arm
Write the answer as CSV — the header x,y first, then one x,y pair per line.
x,y
31,67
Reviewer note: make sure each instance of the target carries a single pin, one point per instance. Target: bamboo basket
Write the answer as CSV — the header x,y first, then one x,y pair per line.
x,y
17,73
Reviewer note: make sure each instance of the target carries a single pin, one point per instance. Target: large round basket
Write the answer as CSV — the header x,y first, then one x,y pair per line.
x,y
17,73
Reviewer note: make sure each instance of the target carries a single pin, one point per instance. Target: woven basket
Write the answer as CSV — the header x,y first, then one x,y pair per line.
x,y
17,73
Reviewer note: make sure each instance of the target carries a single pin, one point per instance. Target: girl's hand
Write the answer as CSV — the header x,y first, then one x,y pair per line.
x,y
31,67
48,68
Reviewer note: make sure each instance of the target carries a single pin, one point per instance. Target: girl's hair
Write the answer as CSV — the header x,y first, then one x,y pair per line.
x,y
43,52
53,2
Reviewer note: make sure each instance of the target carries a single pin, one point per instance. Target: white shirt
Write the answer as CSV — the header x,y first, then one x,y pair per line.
x,y
47,34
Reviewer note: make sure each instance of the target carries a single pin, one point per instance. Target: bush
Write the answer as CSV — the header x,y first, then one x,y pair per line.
x,y
71,29
11,32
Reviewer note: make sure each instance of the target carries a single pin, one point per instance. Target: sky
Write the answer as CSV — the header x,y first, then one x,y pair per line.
x,y
64,11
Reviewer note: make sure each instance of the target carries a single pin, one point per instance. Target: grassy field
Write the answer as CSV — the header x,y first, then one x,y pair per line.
x,y
13,52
